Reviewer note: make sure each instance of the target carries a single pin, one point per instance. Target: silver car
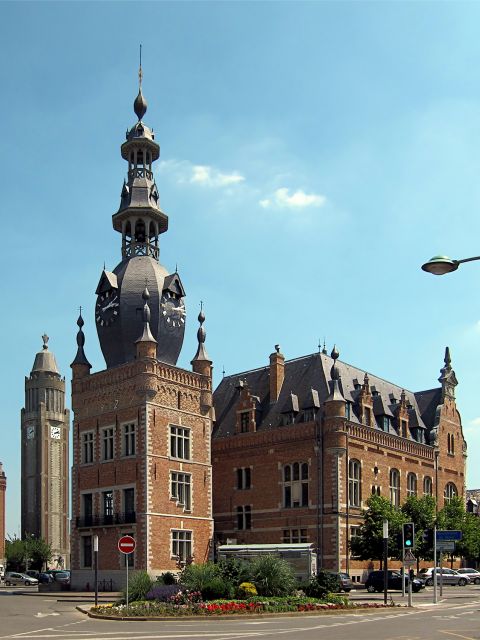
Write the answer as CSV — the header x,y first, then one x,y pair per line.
x,y
12,578
448,576
473,574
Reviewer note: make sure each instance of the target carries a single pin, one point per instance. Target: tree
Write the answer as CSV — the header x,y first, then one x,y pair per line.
x,y
31,553
368,544
39,552
420,511
454,517
15,554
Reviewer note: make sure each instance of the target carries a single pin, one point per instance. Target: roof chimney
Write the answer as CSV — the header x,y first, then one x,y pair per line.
x,y
277,373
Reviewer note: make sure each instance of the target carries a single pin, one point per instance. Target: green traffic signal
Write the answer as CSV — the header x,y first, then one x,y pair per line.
x,y
408,535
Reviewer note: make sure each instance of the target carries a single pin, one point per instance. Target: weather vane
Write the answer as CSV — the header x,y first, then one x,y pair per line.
x,y
140,74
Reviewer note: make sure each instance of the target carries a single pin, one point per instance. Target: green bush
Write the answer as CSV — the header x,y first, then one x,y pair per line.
x,y
321,584
167,578
138,586
272,576
233,570
216,588
196,576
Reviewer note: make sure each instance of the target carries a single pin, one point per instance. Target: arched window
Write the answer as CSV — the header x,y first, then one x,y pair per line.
x,y
354,486
450,491
295,485
411,484
395,487
427,486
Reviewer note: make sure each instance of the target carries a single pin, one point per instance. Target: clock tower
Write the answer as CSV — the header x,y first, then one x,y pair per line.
x,y
45,465
141,427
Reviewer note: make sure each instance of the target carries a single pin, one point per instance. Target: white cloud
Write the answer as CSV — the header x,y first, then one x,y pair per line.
x,y
475,422
282,199
200,174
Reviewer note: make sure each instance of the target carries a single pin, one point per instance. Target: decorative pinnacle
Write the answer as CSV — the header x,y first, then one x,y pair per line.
x,y
45,339
335,353
81,358
201,335
140,73
146,308
140,104
447,360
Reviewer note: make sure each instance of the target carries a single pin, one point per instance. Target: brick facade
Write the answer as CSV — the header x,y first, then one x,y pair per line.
x,y
3,489
324,434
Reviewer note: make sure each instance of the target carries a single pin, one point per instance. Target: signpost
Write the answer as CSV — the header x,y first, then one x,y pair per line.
x,y
409,561
126,545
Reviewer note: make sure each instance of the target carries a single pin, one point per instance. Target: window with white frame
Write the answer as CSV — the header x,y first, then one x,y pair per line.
x,y
244,517
411,484
87,447
244,478
179,442
427,486
354,479
450,491
129,439
107,444
395,487
107,499
181,489
182,545
293,536
295,485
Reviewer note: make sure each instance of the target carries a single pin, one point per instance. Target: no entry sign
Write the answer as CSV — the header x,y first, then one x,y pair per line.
x,y
126,544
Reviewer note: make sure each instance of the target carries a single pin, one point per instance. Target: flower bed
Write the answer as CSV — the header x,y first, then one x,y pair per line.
x,y
188,607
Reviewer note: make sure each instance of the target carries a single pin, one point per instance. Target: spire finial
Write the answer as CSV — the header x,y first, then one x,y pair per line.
x,y
140,104
81,358
147,334
140,72
201,354
45,339
324,350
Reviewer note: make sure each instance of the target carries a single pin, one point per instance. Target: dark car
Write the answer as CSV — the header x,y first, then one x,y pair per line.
x,y
45,578
375,582
344,581
63,577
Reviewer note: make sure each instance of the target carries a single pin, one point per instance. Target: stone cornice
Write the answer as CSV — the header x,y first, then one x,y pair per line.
x,y
240,441
369,435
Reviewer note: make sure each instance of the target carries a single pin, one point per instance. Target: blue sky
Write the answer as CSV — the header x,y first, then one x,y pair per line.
x,y
313,156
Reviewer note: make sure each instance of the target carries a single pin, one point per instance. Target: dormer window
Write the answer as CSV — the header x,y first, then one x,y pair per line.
x,y
348,408
309,415
244,421
367,416
288,418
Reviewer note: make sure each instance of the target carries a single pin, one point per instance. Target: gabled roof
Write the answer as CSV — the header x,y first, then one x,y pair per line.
x,y
306,381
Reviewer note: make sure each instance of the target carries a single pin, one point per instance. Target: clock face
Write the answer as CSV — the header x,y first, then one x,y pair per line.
x,y
30,432
55,433
173,311
107,308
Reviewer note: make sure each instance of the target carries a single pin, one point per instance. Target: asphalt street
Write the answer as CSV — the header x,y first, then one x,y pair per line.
x,y
457,616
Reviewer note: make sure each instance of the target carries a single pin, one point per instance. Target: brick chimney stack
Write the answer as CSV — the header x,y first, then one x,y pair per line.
x,y
277,373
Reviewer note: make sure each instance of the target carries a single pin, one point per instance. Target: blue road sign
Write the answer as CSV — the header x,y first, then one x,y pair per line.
x,y
448,535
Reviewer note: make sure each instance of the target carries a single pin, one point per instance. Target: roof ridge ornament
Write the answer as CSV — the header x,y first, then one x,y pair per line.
x,y
45,339
81,358
140,104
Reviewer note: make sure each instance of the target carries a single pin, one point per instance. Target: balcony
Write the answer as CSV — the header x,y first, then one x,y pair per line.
x,y
106,520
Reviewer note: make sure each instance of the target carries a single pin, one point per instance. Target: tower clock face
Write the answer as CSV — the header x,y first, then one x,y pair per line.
x,y
107,308
173,311
55,433
30,432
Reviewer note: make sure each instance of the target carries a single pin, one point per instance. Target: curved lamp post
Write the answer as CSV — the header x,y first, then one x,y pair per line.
x,y
440,265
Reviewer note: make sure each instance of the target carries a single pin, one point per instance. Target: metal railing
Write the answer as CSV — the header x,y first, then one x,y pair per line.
x,y
106,520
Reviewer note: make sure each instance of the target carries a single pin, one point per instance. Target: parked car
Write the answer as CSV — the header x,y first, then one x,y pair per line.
x,y
449,576
32,573
345,582
45,578
473,574
375,581
63,577
12,579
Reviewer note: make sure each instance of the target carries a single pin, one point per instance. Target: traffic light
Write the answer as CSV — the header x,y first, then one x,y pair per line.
x,y
408,535
428,538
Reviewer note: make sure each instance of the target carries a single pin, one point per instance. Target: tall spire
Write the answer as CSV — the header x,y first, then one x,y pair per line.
x,y
335,391
447,377
81,358
147,334
140,104
201,362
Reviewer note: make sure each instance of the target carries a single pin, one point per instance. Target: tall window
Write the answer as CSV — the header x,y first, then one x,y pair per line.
x,y
244,421
107,444
86,551
450,443
347,410
180,489
295,485
244,478
293,536
129,503
87,447
108,506
87,508
354,470
450,491
411,484
309,415
395,487
179,442
427,486
244,517
367,415
128,439
182,545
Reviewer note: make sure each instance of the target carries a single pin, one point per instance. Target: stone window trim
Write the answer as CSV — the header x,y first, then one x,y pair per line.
x,y
394,486
243,476
181,489
450,444
295,535
87,496
295,485
87,447
244,517
244,421
182,544
107,451
126,488
179,442
129,442
86,551
450,492
354,483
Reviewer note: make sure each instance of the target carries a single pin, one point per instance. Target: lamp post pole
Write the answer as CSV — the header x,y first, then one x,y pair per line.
x,y
95,558
385,560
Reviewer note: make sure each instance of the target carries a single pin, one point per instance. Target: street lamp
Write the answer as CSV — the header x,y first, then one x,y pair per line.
x,y
440,265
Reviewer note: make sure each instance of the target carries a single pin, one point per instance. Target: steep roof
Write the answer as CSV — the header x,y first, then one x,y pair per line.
x,y
307,379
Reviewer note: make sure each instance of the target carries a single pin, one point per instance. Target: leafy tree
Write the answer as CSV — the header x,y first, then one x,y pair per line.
x,y
422,512
39,552
368,544
15,554
454,517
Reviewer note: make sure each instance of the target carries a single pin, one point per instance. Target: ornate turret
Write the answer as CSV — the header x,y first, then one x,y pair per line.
x,y
335,403
201,363
448,378
80,366
146,344
140,221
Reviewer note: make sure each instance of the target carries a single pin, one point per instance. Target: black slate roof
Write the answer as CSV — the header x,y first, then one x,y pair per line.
x,y
306,382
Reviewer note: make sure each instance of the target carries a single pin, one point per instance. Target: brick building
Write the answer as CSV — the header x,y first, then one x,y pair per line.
x,y
141,428
3,489
298,446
